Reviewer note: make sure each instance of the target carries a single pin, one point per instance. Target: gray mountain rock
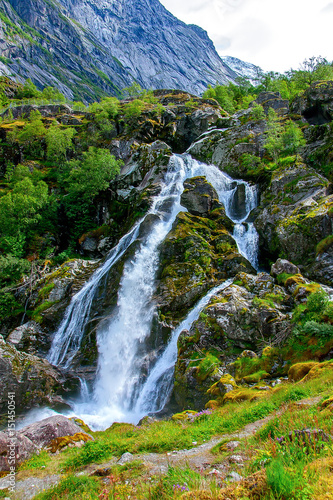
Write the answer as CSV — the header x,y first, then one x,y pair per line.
x,y
89,48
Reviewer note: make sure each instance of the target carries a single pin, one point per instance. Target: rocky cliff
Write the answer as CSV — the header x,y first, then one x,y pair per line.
x,y
88,49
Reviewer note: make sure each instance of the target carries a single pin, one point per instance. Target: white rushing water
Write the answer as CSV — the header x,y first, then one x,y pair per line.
x,y
119,393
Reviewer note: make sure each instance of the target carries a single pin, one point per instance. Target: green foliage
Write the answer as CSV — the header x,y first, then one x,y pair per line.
x,y
36,461
292,138
11,269
30,136
273,142
8,304
133,90
257,112
28,91
92,174
92,451
286,485
107,108
59,141
324,244
222,94
20,208
133,109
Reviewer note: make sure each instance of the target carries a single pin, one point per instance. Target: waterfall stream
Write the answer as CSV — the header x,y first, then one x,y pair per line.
x,y
119,393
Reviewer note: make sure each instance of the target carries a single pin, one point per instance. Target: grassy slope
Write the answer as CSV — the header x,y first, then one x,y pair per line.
x,y
293,470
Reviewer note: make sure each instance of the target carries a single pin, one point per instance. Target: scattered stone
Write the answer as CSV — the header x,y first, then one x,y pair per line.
x,y
234,477
125,459
248,354
232,445
236,459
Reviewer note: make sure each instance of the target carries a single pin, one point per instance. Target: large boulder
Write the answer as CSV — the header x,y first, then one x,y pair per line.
x,y
273,100
21,445
199,197
196,253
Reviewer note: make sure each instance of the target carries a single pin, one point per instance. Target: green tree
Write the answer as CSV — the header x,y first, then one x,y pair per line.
x,y
28,91
92,174
292,138
30,136
58,142
53,94
133,109
20,208
273,142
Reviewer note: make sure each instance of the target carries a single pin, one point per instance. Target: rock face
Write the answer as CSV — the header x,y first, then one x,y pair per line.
x,y
198,252
253,308
34,381
316,104
294,214
103,46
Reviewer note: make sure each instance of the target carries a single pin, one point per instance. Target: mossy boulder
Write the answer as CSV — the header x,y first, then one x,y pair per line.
x,y
299,370
197,253
225,148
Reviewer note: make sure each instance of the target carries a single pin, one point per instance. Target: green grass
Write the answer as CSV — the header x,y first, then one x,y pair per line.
x,y
72,488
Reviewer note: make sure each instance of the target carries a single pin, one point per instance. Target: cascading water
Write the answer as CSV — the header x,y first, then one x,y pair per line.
x,y
119,393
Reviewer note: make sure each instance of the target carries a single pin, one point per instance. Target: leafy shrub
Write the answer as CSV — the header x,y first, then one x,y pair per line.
x,y
8,305
12,269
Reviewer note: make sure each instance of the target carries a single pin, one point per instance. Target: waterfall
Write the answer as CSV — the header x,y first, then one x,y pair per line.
x,y
156,390
119,392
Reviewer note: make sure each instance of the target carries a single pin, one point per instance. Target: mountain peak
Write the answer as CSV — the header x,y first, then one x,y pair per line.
x,y
92,47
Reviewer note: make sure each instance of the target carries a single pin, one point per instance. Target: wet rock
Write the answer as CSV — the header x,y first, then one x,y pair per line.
x,y
199,197
225,147
33,380
195,253
242,315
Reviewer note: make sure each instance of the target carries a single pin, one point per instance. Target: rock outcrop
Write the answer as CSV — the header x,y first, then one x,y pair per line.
x,y
33,380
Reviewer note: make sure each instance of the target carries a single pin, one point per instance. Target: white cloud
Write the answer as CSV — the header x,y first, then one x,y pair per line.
x,y
273,35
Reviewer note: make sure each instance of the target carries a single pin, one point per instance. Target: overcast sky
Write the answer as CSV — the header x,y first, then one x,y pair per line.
x,y
273,35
